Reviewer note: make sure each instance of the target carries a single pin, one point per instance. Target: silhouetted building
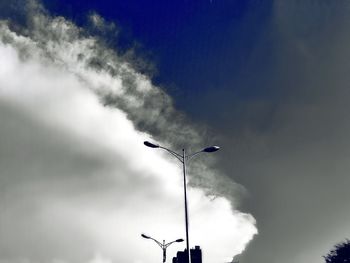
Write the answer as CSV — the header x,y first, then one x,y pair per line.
x,y
196,256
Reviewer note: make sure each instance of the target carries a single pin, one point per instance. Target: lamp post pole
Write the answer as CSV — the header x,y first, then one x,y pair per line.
x,y
163,245
186,209
183,158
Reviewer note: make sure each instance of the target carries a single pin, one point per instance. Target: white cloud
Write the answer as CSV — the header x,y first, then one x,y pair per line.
x,y
77,184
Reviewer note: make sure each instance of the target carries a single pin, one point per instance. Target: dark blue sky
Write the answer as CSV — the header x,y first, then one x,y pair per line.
x,y
196,46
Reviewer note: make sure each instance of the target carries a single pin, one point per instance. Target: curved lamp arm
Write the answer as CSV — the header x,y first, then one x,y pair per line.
x,y
148,237
189,157
153,145
205,150
158,243
181,158
176,155
177,240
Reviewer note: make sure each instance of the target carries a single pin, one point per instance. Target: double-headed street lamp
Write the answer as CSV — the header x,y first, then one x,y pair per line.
x,y
183,158
163,246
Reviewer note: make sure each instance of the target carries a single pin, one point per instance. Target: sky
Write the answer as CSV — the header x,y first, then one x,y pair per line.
x,y
84,83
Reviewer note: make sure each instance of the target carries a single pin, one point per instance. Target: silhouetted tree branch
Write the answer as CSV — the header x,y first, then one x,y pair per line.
x,y
340,253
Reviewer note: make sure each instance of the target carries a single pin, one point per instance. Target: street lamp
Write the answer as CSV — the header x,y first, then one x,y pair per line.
x,y
163,246
183,158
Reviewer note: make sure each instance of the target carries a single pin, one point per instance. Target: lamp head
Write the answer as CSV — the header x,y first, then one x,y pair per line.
x,y
149,144
145,236
211,149
179,240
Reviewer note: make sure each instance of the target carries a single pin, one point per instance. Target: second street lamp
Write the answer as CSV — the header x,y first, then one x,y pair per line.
x,y
163,246
183,158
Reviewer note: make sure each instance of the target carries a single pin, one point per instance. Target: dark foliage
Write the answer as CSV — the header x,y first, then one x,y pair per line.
x,y
340,253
